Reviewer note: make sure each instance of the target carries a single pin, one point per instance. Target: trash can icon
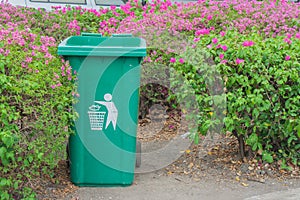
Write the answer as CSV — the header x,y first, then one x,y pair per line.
x,y
96,117
102,152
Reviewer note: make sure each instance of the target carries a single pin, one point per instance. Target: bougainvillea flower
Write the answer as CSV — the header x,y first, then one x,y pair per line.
x,y
224,47
215,40
248,43
287,40
221,56
222,33
239,61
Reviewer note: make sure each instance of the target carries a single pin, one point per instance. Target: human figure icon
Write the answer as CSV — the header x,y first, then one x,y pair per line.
x,y
112,111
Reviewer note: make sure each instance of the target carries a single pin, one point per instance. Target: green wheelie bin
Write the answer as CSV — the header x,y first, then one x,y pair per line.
x,y
102,151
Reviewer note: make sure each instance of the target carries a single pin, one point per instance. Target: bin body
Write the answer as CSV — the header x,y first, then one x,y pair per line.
x,y
103,149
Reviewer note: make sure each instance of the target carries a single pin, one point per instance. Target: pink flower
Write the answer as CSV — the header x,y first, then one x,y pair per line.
x,y
23,65
221,56
69,71
224,47
181,60
287,57
215,40
222,33
53,86
238,61
172,60
248,43
287,40
209,17
28,59
209,46
56,76
202,32
7,52
298,35
196,39
224,61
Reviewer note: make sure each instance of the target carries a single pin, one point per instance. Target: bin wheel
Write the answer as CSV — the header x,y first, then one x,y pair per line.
x,y
138,154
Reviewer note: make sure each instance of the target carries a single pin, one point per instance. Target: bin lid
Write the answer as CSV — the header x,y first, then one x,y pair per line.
x,y
93,44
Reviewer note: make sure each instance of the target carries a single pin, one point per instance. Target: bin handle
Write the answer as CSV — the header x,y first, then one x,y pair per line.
x,y
92,34
122,35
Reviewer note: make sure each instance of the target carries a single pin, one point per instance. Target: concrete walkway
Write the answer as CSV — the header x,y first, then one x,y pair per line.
x,y
152,183
292,194
157,186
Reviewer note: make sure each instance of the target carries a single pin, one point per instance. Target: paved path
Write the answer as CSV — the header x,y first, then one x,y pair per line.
x,y
293,194
151,183
157,186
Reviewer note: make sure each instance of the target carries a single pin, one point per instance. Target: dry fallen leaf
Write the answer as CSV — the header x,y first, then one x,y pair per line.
x,y
190,165
188,151
259,152
245,184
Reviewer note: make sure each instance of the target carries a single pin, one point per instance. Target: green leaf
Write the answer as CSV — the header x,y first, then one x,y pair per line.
x,y
267,157
297,128
40,155
16,185
8,140
3,182
252,140
30,159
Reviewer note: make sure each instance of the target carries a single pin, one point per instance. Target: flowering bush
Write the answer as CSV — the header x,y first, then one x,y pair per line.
x,y
261,77
36,97
254,46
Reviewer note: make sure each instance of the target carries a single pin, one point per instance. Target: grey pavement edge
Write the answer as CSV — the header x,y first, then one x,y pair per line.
x,y
292,194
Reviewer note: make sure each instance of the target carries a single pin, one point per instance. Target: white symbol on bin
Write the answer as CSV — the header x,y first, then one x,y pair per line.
x,y
97,117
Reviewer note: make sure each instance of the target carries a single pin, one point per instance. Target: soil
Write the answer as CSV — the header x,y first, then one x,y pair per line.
x,y
214,161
